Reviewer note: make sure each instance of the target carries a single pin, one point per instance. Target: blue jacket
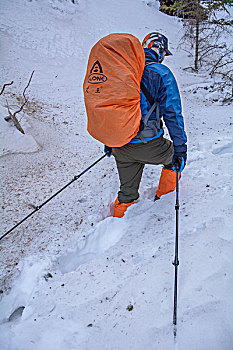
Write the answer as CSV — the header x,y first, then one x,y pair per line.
x,y
161,83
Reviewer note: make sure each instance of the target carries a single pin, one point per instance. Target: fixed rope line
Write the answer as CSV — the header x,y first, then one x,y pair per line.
x,y
54,195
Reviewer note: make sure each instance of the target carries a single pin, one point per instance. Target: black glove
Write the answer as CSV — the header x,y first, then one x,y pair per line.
x,y
108,150
179,161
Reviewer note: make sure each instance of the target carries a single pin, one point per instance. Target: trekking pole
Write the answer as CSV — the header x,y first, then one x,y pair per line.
x,y
176,260
54,195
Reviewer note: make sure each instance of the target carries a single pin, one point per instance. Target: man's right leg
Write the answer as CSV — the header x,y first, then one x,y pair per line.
x,y
167,182
160,151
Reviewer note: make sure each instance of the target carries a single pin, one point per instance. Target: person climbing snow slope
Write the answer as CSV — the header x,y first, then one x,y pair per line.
x,y
149,145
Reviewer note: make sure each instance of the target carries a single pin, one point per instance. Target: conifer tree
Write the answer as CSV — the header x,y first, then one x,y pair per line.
x,y
205,27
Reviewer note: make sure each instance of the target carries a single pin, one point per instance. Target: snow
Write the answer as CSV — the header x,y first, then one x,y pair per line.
x,y
74,277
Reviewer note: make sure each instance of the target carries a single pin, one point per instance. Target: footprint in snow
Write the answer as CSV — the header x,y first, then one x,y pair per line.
x,y
106,234
227,148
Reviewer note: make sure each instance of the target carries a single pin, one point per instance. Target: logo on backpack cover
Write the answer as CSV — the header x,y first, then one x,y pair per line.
x,y
97,76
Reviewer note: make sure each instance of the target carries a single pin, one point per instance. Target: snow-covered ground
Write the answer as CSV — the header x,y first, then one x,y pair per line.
x,y
73,277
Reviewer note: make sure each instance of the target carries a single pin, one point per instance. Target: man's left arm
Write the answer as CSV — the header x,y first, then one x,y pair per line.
x,y
171,110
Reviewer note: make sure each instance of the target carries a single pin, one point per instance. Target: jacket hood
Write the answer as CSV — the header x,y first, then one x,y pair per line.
x,y
151,55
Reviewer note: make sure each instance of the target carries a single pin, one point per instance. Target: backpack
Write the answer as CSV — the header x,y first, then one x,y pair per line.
x,y
112,89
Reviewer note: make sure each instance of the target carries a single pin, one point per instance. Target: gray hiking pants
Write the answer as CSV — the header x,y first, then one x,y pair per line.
x,y
131,159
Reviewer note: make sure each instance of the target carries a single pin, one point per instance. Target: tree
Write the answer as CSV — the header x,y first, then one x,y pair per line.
x,y
205,29
191,10
198,12
186,9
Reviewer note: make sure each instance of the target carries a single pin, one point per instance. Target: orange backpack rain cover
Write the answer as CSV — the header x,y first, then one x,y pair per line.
x,y
112,89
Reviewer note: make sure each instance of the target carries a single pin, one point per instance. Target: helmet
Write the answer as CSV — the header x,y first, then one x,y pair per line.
x,y
157,42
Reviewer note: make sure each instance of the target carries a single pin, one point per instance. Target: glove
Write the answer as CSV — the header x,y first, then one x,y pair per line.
x,y
108,150
179,161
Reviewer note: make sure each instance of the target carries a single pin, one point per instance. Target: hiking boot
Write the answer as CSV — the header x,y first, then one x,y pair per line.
x,y
120,208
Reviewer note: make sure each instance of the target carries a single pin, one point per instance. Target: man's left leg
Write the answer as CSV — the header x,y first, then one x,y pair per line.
x,y
130,174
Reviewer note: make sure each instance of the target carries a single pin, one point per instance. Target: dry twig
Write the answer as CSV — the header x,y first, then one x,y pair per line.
x,y
14,119
13,116
26,100
3,88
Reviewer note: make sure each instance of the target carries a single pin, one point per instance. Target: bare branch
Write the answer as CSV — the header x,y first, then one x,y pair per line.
x,y
3,88
26,100
191,68
21,108
13,116
219,65
225,75
28,84
14,119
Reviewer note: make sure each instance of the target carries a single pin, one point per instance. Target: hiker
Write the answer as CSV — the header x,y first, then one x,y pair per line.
x,y
149,145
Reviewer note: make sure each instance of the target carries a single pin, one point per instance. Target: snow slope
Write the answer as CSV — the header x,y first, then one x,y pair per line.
x,y
73,277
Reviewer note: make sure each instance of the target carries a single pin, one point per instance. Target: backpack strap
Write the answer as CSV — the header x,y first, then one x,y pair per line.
x,y
147,93
154,106
153,103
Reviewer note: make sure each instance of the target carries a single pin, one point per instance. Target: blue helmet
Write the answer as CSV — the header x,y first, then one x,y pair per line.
x,y
157,42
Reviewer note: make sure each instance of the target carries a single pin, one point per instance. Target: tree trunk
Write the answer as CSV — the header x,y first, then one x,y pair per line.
x,y
197,36
196,45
